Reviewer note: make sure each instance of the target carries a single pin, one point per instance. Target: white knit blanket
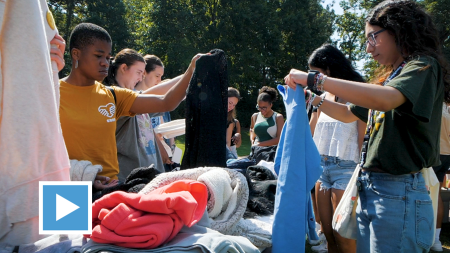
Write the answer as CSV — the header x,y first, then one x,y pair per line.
x,y
228,196
83,170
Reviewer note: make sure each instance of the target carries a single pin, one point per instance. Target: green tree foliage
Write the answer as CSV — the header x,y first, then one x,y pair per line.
x,y
109,14
66,14
66,17
263,39
350,28
440,9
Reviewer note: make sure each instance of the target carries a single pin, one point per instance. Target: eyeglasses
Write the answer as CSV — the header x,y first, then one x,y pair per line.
x,y
262,108
371,39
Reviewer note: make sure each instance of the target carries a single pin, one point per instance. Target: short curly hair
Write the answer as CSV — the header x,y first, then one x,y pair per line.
x,y
85,34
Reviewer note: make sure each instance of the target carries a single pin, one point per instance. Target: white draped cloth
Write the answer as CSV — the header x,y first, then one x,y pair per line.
x,y
32,147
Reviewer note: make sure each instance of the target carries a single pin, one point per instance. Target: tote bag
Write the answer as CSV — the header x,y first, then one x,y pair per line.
x,y
344,218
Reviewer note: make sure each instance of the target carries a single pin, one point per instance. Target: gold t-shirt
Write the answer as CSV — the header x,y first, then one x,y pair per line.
x,y
88,121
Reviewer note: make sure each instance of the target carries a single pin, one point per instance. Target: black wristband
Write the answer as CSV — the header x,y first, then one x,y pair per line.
x,y
310,81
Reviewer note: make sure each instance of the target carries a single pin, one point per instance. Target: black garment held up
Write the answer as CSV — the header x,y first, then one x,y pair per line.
x,y
206,113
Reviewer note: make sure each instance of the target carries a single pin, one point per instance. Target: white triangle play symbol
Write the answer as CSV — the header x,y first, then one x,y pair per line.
x,y
64,207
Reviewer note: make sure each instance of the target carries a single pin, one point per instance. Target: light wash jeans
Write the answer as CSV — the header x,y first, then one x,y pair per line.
x,y
230,154
336,173
394,213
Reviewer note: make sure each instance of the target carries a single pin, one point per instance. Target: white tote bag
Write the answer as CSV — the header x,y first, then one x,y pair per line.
x,y
344,218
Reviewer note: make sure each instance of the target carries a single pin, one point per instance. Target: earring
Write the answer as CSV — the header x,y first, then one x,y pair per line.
x,y
76,64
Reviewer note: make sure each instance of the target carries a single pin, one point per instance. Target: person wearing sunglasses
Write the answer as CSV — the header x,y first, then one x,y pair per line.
x,y
266,126
394,211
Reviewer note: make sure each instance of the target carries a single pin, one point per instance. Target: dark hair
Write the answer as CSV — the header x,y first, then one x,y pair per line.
x,y
327,57
125,56
151,61
85,34
267,94
414,31
232,93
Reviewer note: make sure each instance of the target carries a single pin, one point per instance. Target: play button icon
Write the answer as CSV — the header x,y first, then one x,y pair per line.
x,y
64,207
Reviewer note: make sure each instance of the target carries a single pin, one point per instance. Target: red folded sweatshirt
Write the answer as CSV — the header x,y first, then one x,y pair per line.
x,y
147,221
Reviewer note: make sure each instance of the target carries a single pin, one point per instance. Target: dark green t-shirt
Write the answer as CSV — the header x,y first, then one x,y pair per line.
x,y
406,139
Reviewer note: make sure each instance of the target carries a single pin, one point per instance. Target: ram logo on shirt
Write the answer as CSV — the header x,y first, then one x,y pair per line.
x,y
108,111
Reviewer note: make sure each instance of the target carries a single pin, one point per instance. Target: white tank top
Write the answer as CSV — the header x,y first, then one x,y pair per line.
x,y
335,138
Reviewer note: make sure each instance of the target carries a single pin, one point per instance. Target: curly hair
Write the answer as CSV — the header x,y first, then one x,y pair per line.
x,y
125,56
414,31
267,94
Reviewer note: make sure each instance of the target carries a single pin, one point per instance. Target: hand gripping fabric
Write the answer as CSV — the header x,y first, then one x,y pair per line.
x,y
206,113
297,163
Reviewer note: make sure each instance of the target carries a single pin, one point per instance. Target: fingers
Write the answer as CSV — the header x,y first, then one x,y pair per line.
x,y
288,80
59,42
113,182
55,55
196,57
57,47
101,178
98,185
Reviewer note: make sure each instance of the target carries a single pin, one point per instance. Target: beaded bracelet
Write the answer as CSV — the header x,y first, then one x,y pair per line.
x,y
311,98
321,101
319,80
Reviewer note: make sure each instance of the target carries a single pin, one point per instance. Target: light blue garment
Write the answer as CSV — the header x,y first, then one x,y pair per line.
x,y
297,163
311,224
52,244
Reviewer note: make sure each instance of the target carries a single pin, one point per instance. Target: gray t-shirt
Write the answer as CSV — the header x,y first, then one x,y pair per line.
x,y
136,144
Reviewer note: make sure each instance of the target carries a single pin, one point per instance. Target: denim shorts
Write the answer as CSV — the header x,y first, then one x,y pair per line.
x,y
336,173
394,213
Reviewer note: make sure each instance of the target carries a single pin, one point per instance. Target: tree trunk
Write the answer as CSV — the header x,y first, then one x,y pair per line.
x,y
70,8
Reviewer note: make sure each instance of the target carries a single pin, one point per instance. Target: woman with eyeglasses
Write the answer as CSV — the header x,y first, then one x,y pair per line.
x,y
266,126
394,211
233,125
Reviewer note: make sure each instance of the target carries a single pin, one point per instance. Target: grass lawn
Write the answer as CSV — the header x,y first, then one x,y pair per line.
x,y
244,150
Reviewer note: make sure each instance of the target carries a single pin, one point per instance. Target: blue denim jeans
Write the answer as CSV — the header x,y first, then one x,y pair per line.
x,y
394,213
336,173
